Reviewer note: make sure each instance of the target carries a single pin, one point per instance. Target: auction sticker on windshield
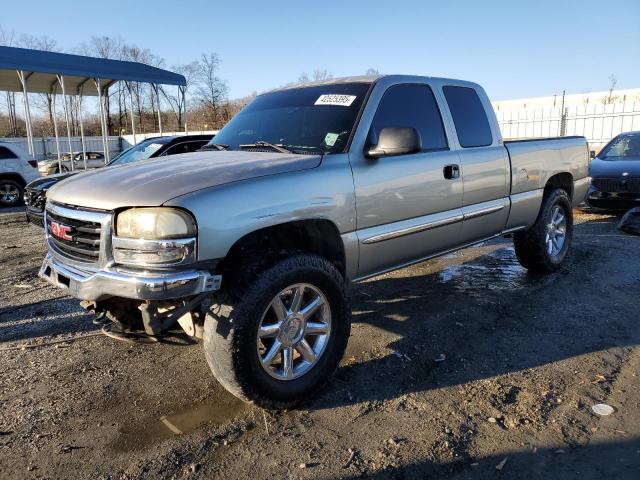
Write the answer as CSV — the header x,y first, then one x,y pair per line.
x,y
333,99
330,139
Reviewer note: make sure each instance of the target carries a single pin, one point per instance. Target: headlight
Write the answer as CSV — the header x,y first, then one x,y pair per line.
x,y
155,223
155,236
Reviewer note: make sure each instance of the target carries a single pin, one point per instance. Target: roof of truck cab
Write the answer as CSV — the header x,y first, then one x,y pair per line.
x,y
372,79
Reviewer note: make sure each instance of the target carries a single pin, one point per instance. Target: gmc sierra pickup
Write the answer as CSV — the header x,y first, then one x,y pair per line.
x,y
251,244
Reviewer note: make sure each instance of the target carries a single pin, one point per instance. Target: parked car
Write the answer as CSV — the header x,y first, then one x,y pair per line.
x,y
52,166
35,192
16,170
251,245
615,174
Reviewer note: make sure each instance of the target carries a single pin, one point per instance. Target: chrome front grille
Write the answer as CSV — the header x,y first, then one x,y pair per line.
x,y
617,185
80,235
83,240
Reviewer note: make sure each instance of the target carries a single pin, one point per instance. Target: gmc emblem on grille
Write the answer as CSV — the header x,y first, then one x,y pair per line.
x,y
60,231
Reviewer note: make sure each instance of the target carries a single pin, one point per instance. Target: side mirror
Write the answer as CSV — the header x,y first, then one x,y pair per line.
x,y
396,141
592,154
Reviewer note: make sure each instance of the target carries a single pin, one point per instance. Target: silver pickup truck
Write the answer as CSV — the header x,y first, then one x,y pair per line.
x,y
252,244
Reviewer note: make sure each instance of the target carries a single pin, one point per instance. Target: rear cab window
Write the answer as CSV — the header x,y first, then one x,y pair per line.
x,y
469,116
411,105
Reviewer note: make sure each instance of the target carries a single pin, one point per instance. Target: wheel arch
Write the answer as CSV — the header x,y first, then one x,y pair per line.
x,y
316,236
16,177
563,180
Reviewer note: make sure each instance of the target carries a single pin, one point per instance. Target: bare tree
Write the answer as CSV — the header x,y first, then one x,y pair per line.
x,y
44,101
177,101
316,76
323,74
142,96
372,71
211,90
609,98
112,48
7,38
613,81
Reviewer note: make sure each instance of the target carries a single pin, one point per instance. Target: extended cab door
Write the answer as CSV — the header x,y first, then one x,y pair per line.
x,y
484,162
407,206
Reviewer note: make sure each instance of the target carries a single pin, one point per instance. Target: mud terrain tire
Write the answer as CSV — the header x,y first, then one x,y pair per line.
x,y
534,248
231,332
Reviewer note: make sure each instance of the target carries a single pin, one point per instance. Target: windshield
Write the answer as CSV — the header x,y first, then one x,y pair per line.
x,y
622,148
302,120
140,151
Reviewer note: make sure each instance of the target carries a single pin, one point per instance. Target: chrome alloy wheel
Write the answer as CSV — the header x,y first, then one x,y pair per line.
x,y
294,331
9,193
556,232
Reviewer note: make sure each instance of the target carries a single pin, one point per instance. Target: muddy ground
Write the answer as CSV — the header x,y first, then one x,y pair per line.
x,y
462,367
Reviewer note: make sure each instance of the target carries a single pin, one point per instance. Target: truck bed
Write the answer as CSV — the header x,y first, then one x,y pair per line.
x,y
533,162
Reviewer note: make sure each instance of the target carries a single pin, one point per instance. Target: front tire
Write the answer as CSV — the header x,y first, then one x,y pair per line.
x,y
544,247
10,193
280,333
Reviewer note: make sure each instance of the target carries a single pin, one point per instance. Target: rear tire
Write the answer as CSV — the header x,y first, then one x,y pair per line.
x,y
11,193
237,341
543,247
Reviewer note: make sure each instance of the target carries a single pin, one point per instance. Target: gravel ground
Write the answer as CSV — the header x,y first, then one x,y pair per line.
x,y
461,367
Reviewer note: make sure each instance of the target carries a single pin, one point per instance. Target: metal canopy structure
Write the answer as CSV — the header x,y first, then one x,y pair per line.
x,y
36,71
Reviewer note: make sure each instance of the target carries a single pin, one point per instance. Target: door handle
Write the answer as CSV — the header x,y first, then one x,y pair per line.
x,y
451,171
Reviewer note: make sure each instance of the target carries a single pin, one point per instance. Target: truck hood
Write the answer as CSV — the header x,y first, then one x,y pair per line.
x,y
154,182
614,168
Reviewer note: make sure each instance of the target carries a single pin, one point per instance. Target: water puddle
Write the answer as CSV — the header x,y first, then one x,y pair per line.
x,y
217,410
497,270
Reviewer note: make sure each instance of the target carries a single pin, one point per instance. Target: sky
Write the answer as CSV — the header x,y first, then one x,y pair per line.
x,y
513,48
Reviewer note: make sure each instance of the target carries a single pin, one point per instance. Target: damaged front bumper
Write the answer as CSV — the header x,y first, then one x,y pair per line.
x,y
98,284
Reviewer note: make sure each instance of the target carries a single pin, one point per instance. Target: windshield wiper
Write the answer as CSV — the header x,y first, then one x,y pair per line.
x,y
215,146
262,143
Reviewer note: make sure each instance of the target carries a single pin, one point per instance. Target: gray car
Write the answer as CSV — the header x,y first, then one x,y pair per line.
x,y
52,166
252,244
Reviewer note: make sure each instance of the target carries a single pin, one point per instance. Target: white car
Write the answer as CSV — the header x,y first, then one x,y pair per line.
x,y
16,170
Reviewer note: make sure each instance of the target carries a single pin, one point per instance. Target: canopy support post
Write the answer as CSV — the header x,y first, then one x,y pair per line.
x,y
81,122
105,99
133,122
103,122
55,128
183,92
155,89
27,112
72,159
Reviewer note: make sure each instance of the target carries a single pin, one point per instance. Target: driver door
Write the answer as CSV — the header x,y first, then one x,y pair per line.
x,y
408,206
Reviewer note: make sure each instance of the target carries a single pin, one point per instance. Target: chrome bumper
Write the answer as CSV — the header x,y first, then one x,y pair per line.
x,y
104,283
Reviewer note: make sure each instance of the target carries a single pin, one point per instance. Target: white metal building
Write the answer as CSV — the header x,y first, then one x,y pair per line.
x,y
599,116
